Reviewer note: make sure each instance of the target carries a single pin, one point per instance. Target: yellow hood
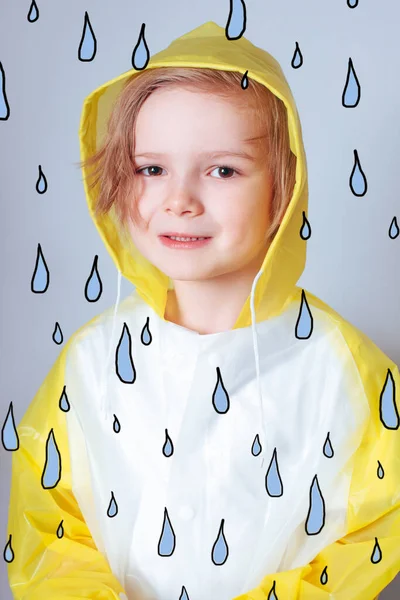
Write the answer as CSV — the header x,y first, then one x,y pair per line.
x,y
207,47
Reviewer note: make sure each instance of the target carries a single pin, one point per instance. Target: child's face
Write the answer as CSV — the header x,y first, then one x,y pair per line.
x,y
188,192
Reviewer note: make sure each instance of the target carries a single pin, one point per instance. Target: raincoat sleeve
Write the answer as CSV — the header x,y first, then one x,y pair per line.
x,y
50,561
363,562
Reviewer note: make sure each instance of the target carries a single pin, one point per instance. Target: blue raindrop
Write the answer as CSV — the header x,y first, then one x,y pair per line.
x,y
88,45
116,425
94,285
297,59
324,576
8,553
358,181
41,276
33,13
305,231
112,509
273,481
166,544
376,555
316,512
4,106
352,91
52,466
236,23
220,550
124,364
304,324
220,398
41,183
140,54
272,595
245,82
168,448
57,334
394,229
387,403
328,450
184,595
380,472
60,530
352,3
146,335
256,447
64,403
9,435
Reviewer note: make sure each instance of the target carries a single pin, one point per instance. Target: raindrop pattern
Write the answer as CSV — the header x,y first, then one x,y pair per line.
x,y
184,595
8,553
387,403
166,544
112,509
88,45
245,82
41,276
125,368
376,555
273,481
220,397
352,89
305,231
394,229
64,402
327,449
168,448
358,181
305,321
4,106
297,59
52,467
352,3
41,183
141,54
60,530
146,336
324,576
94,285
220,550
33,13
236,22
316,512
272,595
9,434
380,472
256,447
57,336
116,425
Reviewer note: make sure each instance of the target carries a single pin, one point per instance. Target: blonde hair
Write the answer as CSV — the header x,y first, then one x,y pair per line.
x,y
110,168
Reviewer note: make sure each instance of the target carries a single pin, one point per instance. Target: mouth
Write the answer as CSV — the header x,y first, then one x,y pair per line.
x,y
184,242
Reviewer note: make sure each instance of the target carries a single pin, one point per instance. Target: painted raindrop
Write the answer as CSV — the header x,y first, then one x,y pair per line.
x,y
236,23
60,530
52,466
305,231
94,285
297,59
116,425
324,576
387,403
352,3
245,82
166,544
358,181
124,363
57,334
394,229
4,106
184,595
63,402
9,434
146,337
256,447
380,472
220,398
316,512
304,324
352,90
272,595
88,45
41,276
41,183
112,509
220,550
168,448
33,13
141,54
273,481
8,553
376,555
328,450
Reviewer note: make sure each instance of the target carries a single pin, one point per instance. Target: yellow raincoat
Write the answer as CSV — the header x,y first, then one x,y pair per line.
x,y
90,492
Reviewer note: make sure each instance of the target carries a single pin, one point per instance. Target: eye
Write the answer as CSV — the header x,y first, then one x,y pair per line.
x,y
144,168
225,169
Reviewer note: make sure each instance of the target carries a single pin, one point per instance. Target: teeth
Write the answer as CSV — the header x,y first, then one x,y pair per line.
x,y
188,239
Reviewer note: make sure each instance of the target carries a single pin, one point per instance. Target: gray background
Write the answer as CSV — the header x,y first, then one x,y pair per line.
x,y
351,261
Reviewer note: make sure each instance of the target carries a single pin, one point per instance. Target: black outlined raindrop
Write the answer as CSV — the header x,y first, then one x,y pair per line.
x,y
4,106
273,481
272,595
8,553
352,91
316,511
305,231
305,321
236,23
352,3
93,285
141,54
380,472
245,82
33,13
387,403
88,45
112,509
324,576
57,336
124,366
52,467
116,425
41,275
297,59
220,397
220,550
168,448
394,229
184,594
9,434
358,181
63,403
167,542
327,449
256,447
41,183
60,530
146,337
376,555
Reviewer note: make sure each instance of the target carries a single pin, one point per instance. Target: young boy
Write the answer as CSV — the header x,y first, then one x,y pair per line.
x,y
223,434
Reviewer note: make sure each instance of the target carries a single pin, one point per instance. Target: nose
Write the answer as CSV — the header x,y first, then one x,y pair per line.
x,y
183,197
